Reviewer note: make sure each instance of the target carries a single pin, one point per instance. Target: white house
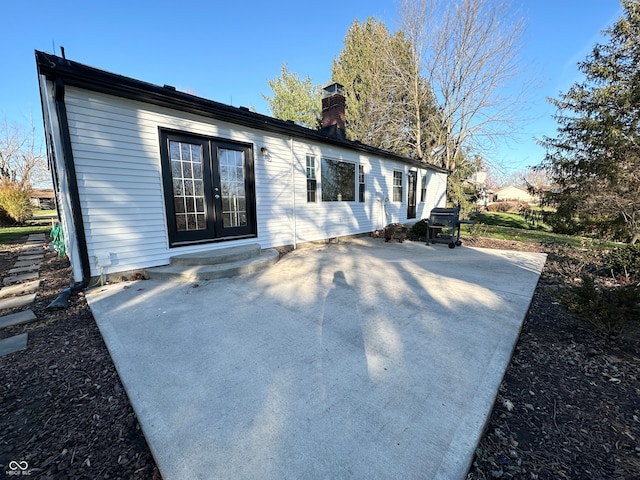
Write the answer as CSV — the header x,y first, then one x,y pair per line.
x,y
518,194
144,172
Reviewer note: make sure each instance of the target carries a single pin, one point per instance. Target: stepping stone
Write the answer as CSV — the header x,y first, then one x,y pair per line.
x,y
30,268
26,263
20,288
20,278
17,318
31,257
17,302
13,344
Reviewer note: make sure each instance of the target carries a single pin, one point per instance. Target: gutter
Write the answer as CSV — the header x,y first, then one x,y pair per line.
x,y
293,195
74,194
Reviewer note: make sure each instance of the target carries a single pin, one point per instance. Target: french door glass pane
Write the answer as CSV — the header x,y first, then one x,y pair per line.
x,y
188,193
232,183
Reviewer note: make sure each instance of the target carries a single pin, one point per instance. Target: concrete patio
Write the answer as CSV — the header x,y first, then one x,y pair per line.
x,y
356,360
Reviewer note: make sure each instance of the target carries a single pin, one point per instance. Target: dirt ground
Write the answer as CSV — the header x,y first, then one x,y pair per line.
x,y
568,407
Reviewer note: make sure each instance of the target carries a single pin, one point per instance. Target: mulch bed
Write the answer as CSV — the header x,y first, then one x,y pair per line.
x,y
568,407
63,409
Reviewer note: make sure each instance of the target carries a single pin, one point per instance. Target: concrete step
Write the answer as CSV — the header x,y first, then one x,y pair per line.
x,y
23,277
19,289
17,302
17,318
216,257
13,344
189,273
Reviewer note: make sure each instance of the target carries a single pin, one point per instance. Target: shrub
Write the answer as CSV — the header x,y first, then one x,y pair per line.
x,y
419,229
15,201
612,311
625,260
504,207
477,230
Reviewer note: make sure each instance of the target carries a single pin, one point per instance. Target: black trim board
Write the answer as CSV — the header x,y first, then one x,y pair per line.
x,y
72,180
90,78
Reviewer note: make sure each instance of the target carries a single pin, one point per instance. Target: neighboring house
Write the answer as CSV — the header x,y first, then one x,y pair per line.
x,y
513,193
144,172
43,198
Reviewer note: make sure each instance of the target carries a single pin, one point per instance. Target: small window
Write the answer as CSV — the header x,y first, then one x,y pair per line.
x,y
423,193
311,179
361,184
397,186
338,181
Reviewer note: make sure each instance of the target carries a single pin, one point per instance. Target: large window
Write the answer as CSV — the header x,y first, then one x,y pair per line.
x,y
311,179
397,186
361,184
338,181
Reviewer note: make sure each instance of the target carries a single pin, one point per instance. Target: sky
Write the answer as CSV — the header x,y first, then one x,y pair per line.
x,y
227,51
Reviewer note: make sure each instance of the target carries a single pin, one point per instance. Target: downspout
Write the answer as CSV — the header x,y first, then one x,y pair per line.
x,y
74,194
293,195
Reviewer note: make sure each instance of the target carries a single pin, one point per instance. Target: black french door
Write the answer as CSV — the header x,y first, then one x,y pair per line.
x,y
209,188
411,194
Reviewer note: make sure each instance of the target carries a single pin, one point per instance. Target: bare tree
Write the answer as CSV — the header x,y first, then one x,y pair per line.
x,y
465,54
22,160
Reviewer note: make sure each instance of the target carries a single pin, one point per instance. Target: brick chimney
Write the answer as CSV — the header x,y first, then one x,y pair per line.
x,y
333,107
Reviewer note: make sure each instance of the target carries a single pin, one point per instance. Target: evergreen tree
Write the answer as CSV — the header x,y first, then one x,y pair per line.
x,y
295,99
595,158
371,66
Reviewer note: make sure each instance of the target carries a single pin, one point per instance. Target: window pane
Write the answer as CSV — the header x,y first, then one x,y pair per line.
x,y
397,186
181,222
178,188
198,188
185,152
196,153
174,150
176,169
191,222
338,181
197,170
188,185
311,191
311,167
233,193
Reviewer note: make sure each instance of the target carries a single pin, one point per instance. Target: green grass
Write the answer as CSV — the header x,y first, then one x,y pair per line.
x,y
513,220
45,213
13,234
512,226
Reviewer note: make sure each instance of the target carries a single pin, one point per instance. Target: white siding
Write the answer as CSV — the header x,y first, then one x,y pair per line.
x,y
117,156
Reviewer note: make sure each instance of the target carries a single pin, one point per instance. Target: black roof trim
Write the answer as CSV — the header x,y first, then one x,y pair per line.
x,y
90,78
